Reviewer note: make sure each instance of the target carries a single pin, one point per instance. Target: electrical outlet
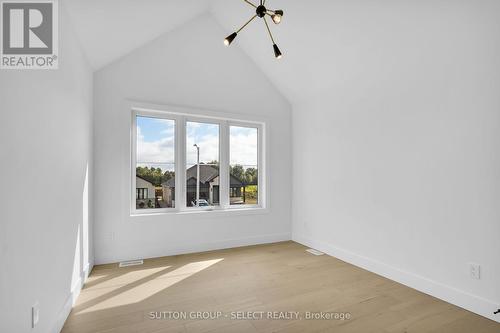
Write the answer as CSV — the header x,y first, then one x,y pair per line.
x,y
475,271
35,314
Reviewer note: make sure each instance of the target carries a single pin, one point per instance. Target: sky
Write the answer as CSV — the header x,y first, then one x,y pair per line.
x,y
206,136
155,143
243,146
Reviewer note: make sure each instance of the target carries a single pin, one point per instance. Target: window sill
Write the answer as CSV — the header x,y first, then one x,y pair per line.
x,y
205,212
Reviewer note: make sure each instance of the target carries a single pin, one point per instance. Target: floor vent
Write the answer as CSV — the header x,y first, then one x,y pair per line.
x,y
315,252
131,263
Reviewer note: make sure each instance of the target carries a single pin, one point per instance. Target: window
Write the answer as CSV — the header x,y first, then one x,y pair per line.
x,y
186,162
155,162
202,164
243,168
141,193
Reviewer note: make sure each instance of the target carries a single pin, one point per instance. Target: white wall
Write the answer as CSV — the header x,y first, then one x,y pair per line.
x,y
190,67
46,177
396,154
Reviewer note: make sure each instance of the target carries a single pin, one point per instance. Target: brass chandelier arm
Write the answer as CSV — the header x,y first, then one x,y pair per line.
x,y
251,4
262,3
244,25
269,30
260,11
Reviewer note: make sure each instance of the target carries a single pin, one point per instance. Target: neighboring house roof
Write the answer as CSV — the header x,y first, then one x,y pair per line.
x,y
169,183
144,179
207,174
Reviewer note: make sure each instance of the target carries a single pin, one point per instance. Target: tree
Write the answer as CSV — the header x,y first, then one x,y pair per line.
x,y
168,175
154,175
251,176
238,172
214,164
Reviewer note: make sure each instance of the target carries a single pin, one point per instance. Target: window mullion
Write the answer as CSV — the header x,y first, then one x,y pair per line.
x,y
180,164
224,164
134,160
262,167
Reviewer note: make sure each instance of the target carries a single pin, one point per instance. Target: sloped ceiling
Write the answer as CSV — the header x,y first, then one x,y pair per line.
x,y
351,49
296,36
110,29
330,47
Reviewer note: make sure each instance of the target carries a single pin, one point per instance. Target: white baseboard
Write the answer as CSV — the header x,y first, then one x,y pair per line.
x,y
176,249
71,299
473,303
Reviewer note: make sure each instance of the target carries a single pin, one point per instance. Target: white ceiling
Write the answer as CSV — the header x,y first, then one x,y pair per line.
x,y
330,48
110,29
292,73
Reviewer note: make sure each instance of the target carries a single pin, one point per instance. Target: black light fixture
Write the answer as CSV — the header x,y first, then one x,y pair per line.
x,y
230,38
277,52
261,11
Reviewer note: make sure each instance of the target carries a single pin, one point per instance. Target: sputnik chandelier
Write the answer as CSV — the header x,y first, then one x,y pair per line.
x,y
261,11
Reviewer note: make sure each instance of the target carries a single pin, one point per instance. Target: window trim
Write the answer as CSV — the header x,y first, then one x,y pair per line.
x,y
198,119
224,119
133,165
259,159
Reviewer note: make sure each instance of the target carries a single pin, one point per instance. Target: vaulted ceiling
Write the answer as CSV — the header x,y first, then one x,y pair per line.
x,y
110,29
329,46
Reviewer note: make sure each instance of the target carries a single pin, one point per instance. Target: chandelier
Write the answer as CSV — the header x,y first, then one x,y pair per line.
x,y
260,11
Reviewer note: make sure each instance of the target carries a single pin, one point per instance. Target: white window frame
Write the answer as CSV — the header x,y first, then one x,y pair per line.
x,y
259,159
159,115
181,116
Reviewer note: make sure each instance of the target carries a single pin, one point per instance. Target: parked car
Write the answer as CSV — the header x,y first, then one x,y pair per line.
x,y
203,203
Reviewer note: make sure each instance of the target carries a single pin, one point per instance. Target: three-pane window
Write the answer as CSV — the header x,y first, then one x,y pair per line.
x,y
208,163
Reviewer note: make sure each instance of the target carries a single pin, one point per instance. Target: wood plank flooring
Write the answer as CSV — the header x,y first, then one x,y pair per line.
x,y
279,277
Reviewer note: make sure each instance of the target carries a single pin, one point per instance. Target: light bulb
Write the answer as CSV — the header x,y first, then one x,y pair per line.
x,y
278,14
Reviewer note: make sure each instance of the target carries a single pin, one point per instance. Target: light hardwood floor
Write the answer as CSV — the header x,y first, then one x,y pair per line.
x,y
273,277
